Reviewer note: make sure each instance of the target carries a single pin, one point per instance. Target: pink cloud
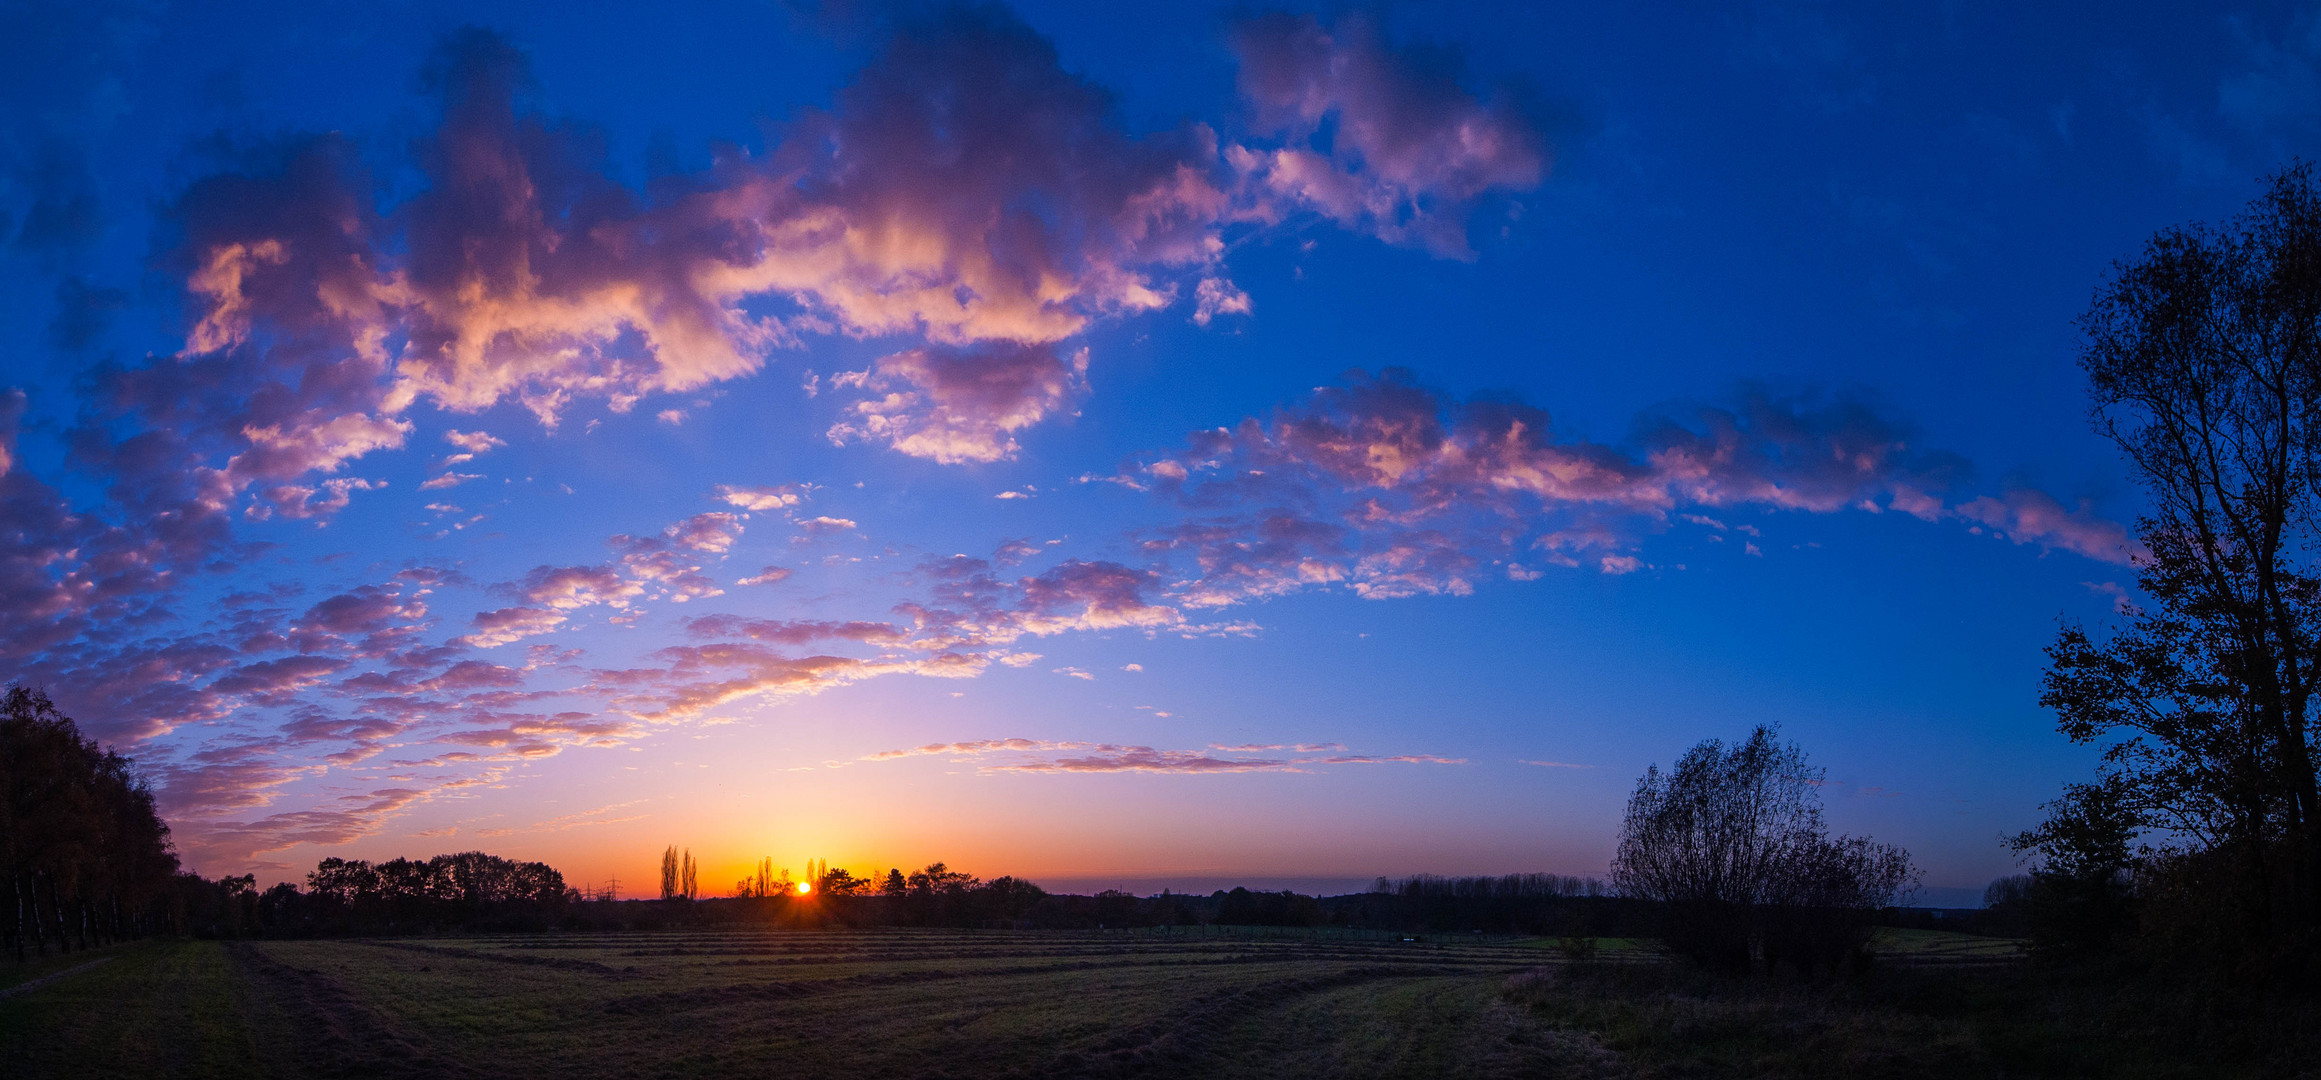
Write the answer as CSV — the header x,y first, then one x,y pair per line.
x,y
668,567
300,502
962,405
972,747
276,680
473,442
1218,296
537,736
826,525
1144,759
1079,595
564,588
2026,516
712,532
475,675
509,624
2120,602
769,576
794,631
700,678
759,498
1411,151
381,616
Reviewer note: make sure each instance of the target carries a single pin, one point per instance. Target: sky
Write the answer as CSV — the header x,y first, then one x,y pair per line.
x,y
1172,445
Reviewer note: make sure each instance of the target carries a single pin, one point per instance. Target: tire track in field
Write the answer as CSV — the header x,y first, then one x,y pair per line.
x,y
1177,1043
557,962
338,1034
31,985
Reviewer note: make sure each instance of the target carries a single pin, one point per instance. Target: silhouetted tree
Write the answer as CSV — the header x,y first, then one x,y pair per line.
x,y
2203,361
762,883
86,856
1010,898
1731,843
671,882
2009,893
2080,899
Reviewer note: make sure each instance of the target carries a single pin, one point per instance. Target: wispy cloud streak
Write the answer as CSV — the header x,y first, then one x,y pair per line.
x,y
1389,489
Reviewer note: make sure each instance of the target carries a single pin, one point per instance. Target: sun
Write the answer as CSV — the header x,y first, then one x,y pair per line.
x,y
805,887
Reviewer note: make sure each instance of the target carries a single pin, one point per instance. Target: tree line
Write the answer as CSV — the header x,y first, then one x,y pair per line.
x,y
470,890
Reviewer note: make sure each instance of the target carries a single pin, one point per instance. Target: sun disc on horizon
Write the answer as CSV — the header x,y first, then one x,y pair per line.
x,y
805,887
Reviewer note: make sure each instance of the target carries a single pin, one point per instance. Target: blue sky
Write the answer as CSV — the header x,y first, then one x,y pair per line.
x,y
1578,383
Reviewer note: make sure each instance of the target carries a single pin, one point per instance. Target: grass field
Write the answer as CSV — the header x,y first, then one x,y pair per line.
x,y
901,1003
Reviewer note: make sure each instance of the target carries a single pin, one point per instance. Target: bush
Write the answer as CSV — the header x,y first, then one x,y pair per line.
x,y
1731,844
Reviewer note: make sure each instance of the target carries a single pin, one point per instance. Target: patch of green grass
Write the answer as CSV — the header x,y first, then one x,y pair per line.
x,y
1895,943
159,1008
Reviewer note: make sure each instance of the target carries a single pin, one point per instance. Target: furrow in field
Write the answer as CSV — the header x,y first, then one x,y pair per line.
x,y
339,1035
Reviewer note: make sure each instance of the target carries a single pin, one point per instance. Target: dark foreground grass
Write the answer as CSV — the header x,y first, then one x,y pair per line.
x,y
900,1003
1911,1021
